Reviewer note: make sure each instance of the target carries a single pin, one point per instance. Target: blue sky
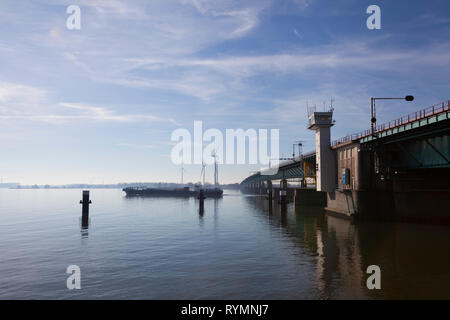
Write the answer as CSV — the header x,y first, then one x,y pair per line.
x,y
100,103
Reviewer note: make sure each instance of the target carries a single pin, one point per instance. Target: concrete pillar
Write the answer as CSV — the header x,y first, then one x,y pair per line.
x,y
302,183
269,194
321,122
310,197
283,192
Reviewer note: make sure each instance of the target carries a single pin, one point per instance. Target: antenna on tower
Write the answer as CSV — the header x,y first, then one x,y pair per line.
x,y
331,104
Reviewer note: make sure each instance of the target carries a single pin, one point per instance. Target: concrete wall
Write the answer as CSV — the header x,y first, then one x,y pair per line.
x,y
348,157
412,205
345,203
362,204
310,197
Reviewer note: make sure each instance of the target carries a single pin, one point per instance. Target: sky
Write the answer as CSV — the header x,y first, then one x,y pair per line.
x,y
99,104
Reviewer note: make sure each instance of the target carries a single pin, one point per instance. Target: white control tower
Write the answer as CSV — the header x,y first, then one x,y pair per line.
x,y
321,122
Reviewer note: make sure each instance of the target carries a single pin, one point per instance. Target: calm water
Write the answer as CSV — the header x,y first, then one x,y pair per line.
x,y
163,249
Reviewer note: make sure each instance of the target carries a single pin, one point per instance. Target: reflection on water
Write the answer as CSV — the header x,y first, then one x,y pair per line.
x,y
414,259
237,248
84,232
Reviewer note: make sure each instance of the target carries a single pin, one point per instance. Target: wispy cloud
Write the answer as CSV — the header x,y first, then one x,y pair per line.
x,y
135,146
22,102
243,19
90,112
210,77
20,94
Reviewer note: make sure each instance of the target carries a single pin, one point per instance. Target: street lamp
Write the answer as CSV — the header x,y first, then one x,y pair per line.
x,y
299,144
373,118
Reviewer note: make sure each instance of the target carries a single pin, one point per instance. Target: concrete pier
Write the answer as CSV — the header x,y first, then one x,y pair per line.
x,y
310,197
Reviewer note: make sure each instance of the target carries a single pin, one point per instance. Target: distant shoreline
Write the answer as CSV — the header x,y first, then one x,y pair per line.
x,y
113,186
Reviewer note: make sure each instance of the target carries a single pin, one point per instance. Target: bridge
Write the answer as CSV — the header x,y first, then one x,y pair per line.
x,y
300,167
396,170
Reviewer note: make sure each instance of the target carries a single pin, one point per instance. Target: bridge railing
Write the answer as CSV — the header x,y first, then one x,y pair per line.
x,y
421,114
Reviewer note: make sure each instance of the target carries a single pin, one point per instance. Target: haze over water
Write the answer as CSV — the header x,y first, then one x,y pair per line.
x,y
161,248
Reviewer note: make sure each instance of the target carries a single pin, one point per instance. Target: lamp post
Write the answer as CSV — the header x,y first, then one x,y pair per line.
x,y
299,144
373,118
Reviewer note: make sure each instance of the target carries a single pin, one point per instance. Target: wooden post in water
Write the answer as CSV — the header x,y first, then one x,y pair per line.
x,y
269,194
283,194
201,198
85,209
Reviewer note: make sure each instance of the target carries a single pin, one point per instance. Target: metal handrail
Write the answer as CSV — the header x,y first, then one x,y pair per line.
x,y
418,115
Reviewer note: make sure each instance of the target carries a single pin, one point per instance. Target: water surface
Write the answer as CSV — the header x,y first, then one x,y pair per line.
x,y
161,248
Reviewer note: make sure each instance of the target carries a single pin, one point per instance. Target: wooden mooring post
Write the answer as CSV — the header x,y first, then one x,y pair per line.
x,y
283,194
85,209
270,194
201,198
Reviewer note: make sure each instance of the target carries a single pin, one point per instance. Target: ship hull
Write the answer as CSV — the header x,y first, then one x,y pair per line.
x,y
179,193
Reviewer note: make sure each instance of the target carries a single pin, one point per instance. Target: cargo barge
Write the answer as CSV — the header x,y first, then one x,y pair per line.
x,y
185,192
